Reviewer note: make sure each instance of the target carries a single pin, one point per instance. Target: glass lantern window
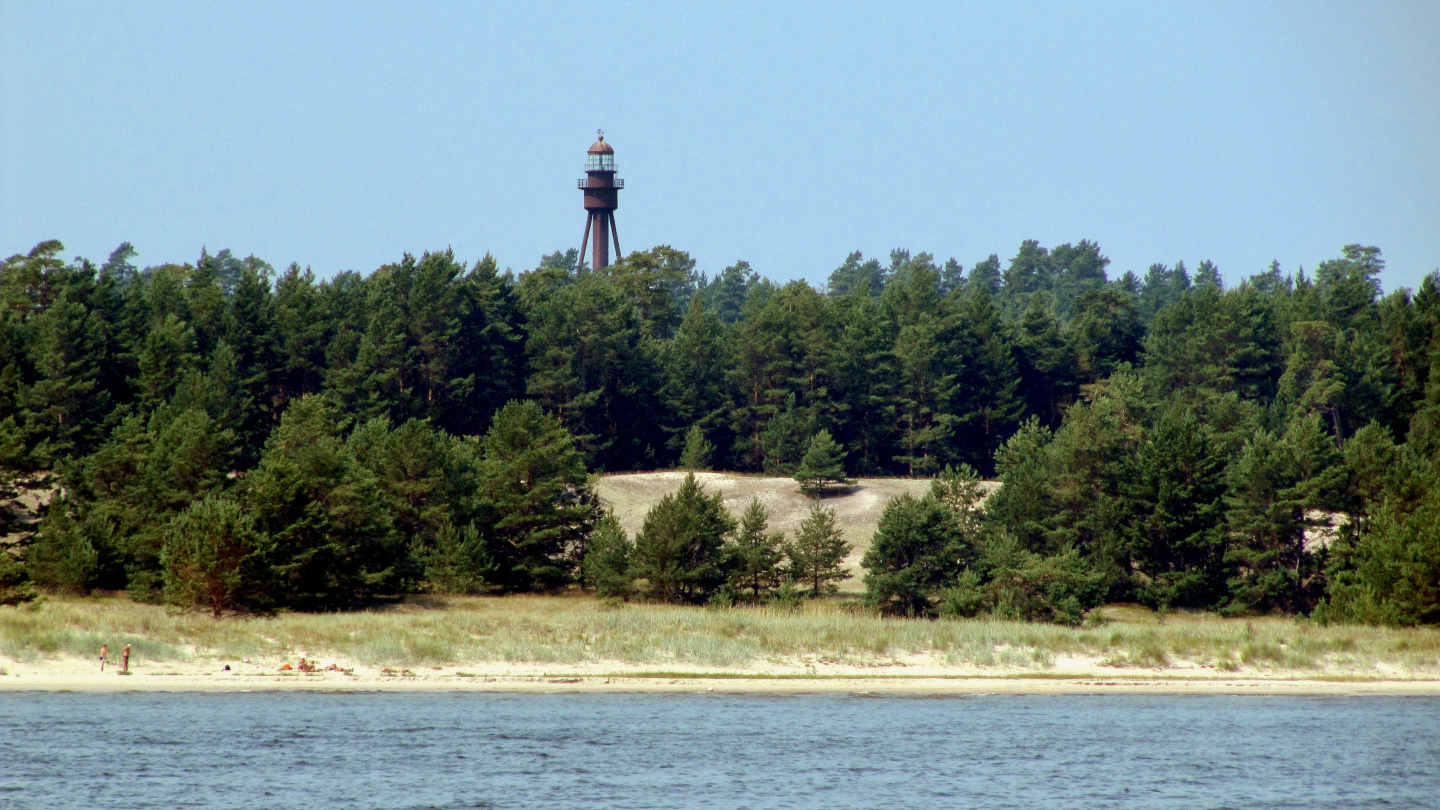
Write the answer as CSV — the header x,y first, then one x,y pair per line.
x,y
600,162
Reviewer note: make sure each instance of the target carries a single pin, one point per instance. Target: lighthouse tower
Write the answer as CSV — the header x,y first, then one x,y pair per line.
x,y
602,197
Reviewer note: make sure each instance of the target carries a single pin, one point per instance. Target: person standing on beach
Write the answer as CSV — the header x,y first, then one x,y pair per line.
x,y
104,652
125,660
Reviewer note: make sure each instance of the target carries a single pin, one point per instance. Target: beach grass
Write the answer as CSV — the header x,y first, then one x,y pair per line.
x,y
576,630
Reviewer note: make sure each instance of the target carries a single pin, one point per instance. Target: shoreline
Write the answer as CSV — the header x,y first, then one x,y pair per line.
x,y
661,682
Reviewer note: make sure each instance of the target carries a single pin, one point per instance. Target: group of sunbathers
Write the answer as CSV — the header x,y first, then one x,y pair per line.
x,y
307,665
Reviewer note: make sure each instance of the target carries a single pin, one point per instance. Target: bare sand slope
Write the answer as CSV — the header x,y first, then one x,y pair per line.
x,y
857,508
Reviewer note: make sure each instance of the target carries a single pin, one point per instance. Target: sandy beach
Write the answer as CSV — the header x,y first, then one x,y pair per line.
x,y
72,674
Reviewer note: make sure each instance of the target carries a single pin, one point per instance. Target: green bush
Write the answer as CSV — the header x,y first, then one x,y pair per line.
x,y
1008,582
14,583
62,557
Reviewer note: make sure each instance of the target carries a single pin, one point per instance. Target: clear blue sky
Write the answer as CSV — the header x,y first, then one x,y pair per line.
x,y
340,136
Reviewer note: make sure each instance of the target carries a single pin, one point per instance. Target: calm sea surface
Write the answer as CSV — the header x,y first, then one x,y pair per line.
x,y
274,750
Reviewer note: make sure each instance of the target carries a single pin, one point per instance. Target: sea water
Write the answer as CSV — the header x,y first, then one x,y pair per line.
x,y
469,750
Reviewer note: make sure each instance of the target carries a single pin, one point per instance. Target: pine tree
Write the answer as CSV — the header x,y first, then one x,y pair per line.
x,y
698,450
321,512
211,557
822,466
430,482
786,437
680,548
864,407
494,342
758,552
593,365
1396,568
607,566
1106,332
14,581
62,557
64,406
1076,270
986,398
1272,486
695,387
166,355
730,291
252,338
782,369
304,314
858,276
817,555
924,384
1046,363
1180,534
124,494
534,478
205,300
457,560
985,275
1026,499
1029,272
918,550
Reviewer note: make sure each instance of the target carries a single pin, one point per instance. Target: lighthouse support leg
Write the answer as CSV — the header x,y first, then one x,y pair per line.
x,y
584,240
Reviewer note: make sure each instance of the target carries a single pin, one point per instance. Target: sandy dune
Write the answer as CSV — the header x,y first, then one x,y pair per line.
x,y
857,508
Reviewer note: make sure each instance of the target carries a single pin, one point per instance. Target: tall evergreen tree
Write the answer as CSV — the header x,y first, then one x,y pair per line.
x,y
330,539
534,479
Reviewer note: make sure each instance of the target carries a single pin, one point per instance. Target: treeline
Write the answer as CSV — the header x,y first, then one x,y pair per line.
x,y
1161,438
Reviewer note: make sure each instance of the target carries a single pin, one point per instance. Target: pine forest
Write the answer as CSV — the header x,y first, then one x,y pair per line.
x,y
230,437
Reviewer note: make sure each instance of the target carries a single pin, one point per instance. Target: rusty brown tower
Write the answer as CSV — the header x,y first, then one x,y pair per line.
x,y
602,197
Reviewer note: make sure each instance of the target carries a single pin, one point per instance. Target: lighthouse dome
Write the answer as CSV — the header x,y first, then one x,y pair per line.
x,y
600,157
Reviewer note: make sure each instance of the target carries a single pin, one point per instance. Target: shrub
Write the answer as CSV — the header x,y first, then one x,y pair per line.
x,y
1009,582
